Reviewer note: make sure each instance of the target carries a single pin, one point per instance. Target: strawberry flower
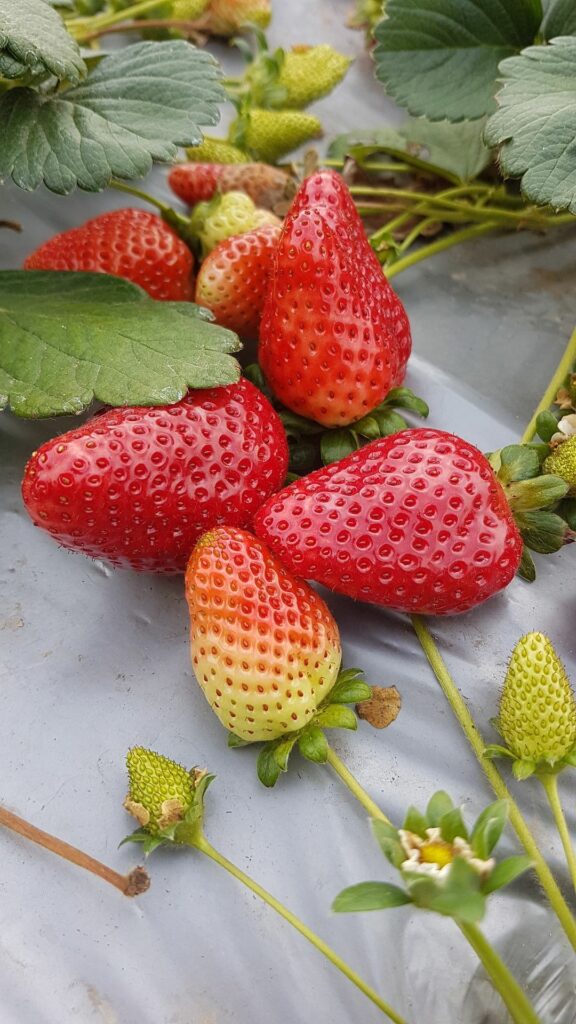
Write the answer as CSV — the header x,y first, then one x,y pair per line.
x,y
434,857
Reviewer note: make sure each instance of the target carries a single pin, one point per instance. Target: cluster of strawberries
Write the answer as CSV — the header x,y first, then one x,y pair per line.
x,y
416,521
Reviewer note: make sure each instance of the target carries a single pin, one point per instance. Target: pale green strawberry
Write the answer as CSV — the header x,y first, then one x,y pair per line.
x,y
265,648
225,17
232,213
189,10
161,791
269,134
562,462
537,714
216,151
309,72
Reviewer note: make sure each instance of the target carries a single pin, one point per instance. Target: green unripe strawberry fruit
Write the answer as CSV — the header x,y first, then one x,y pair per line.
x,y
309,72
537,715
562,462
161,791
270,134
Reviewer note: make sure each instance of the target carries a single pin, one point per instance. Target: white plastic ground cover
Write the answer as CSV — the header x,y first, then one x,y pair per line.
x,y
93,661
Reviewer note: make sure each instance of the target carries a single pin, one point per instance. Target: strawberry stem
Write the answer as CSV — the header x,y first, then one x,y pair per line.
x,y
190,28
206,848
475,231
550,784
478,745
130,885
518,1005
562,370
81,28
354,786
177,221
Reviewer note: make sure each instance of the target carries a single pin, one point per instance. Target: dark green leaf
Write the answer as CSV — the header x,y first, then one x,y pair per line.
x,y
523,769
254,374
452,825
304,456
415,822
353,692
33,36
527,569
518,462
370,896
313,745
406,399
488,828
336,445
336,716
236,741
540,492
439,805
439,58
67,338
535,124
389,842
299,426
546,425
267,766
136,106
567,510
559,18
368,427
543,532
506,871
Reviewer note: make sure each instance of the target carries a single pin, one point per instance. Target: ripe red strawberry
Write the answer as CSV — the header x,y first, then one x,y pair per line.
x,y
334,337
416,521
130,243
265,648
232,279
195,183
138,486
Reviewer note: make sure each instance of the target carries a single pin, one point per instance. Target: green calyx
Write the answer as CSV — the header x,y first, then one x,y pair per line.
x,y
165,798
443,866
533,495
311,742
312,445
537,714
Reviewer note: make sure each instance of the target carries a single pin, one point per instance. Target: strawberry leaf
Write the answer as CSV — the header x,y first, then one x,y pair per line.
x,y
438,805
370,896
68,338
535,124
267,766
33,39
136,106
337,444
313,745
488,828
559,19
439,58
505,872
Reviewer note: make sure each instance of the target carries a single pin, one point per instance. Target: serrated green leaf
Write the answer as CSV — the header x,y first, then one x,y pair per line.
x,y
67,338
352,692
370,896
505,872
389,842
439,805
535,124
415,822
559,18
336,716
313,745
488,828
439,58
336,445
267,766
33,36
452,824
136,106
523,769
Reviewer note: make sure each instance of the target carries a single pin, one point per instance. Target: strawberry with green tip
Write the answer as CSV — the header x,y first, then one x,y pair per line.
x,y
265,648
266,186
216,151
232,279
309,72
138,486
269,135
537,714
223,216
226,17
160,790
562,462
134,244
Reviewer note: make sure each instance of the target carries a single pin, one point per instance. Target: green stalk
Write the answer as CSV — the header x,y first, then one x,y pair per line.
x,y
202,844
478,745
517,1003
98,21
550,783
178,221
354,786
440,246
562,370
372,166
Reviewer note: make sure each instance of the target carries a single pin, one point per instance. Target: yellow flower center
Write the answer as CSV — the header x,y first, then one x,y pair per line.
x,y
437,852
